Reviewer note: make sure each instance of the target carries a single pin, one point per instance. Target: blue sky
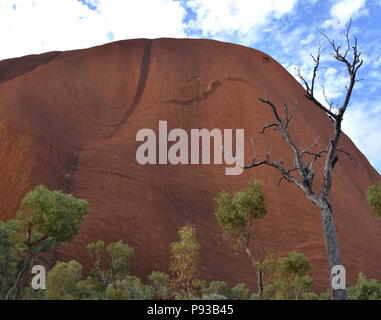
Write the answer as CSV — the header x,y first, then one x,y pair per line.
x,y
285,29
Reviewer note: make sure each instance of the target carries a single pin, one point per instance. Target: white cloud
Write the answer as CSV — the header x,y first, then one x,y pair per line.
x,y
308,39
330,75
289,40
334,83
343,10
239,18
36,26
362,124
377,62
143,18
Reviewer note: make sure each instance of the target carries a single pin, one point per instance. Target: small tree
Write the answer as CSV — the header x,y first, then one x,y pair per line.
x,y
129,288
65,279
373,195
120,255
237,214
240,292
365,289
159,281
91,288
291,279
62,281
9,258
45,219
220,288
184,256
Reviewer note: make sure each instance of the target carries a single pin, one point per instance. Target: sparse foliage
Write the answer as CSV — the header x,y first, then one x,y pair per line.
x,y
373,195
237,214
160,282
120,255
217,287
10,261
365,289
183,262
62,281
240,292
46,219
291,278
130,288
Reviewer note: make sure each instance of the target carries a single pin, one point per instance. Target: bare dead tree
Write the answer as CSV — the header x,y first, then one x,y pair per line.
x,y
302,173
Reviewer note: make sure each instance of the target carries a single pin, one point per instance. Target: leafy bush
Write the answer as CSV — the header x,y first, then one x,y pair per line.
x,y
159,281
62,281
213,296
373,196
365,289
130,288
291,279
218,288
240,292
184,256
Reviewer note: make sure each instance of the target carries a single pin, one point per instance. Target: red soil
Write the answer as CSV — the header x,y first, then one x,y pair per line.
x,y
69,121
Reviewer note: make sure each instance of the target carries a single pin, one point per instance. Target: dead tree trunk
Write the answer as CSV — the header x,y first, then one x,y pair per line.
x,y
304,177
332,244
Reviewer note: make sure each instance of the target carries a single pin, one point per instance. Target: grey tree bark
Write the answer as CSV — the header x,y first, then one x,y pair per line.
x,y
332,245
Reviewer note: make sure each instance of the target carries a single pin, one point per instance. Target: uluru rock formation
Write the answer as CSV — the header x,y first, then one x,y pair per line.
x,y
69,120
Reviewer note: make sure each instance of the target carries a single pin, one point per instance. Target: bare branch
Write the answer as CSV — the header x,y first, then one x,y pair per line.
x,y
315,69
266,126
326,98
314,144
352,69
272,106
300,76
289,115
347,38
322,107
254,150
350,156
283,177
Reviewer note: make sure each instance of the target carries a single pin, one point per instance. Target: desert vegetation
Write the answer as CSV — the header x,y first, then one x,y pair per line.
x,y
373,196
47,219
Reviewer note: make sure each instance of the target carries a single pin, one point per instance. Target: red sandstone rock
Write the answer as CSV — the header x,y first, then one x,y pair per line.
x,y
69,120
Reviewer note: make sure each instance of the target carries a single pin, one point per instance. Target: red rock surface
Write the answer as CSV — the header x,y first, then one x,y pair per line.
x,y
69,121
